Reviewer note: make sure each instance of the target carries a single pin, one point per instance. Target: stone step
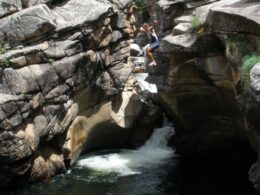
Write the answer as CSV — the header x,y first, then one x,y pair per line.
x,y
183,42
181,28
195,4
183,19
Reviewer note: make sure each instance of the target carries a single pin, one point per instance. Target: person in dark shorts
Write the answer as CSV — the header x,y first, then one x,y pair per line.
x,y
154,41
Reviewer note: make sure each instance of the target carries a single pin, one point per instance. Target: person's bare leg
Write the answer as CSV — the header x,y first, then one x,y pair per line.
x,y
150,55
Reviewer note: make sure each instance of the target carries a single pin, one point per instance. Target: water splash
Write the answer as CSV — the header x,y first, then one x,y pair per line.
x,y
128,162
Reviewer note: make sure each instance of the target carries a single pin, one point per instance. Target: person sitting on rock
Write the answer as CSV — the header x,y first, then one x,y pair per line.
x,y
154,41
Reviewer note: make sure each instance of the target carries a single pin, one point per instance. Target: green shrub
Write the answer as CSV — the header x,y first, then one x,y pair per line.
x,y
5,62
4,48
248,63
194,22
50,60
238,46
140,6
195,27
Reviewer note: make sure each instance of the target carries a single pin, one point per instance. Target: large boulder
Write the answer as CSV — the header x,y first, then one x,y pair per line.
x,y
236,18
64,67
21,80
8,7
191,43
203,11
45,76
37,2
255,80
26,24
47,163
184,42
200,96
195,83
19,145
86,12
250,104
107,125
198,75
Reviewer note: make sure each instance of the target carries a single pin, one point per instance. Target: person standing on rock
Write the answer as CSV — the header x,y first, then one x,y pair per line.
x,y
154,41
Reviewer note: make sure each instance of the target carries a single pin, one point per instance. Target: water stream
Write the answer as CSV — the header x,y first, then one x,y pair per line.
x,y
153,169
131,162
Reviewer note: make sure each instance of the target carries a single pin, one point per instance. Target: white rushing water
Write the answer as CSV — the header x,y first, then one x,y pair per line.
x,y
128,162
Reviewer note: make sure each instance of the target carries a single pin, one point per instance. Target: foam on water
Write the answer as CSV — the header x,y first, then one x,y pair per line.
x,y
128,162
107,163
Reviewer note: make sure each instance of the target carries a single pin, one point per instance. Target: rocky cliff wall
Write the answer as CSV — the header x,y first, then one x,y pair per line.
x,y
65,86
202,75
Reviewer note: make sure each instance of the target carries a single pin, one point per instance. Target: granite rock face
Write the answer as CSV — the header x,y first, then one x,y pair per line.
x,y
198,88
64,72
8,7
202,44
26,24
65,84
244,18
250,102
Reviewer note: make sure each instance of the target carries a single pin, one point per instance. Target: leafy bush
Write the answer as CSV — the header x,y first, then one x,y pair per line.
x,y
140,6
195,27
5,62
194,22
4,48
248,63
238,46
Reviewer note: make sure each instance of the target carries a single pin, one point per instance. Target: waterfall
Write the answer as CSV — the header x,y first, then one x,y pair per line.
x,y
128,162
